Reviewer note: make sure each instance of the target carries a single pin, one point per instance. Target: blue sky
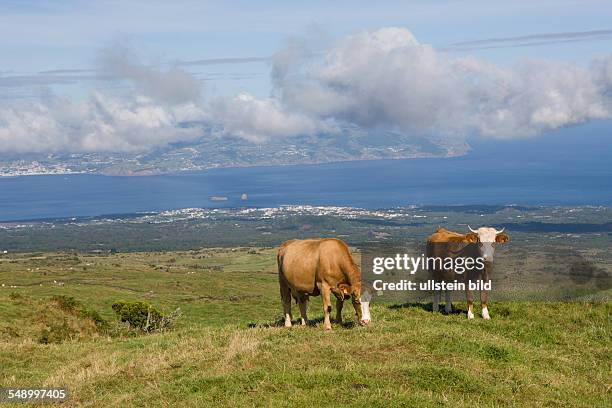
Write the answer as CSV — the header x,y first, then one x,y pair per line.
x,y
90,76
39,35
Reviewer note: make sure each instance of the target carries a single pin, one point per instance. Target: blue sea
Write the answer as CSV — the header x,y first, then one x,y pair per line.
x,y
554,170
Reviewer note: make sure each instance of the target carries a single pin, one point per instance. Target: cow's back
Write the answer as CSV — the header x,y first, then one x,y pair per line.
x,y
298,264
442,244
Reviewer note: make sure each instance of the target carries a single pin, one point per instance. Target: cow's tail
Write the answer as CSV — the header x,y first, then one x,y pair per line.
x,y
279,260
285,292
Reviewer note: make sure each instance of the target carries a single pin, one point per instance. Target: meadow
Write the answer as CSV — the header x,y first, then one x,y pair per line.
x,y
229,349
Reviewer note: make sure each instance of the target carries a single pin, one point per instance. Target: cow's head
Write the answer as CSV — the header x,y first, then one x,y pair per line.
x,y
362,294
487,237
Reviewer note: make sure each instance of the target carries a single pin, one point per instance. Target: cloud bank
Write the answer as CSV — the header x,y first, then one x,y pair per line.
x,y
172,86
383,79
260,119
97,124
151,114
386,78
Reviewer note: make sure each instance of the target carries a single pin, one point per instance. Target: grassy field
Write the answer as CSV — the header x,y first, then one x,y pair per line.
x,y
228,350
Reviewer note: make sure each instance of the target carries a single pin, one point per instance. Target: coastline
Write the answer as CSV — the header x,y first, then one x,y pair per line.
x,y
111,172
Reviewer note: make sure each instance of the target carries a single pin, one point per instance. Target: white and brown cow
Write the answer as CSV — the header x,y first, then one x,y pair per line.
x,y
477,243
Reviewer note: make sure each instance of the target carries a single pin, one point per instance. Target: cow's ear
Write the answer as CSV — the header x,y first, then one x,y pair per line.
x,y
346,289
471,237
502,238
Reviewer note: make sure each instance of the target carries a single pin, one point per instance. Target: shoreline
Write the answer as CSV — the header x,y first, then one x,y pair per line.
x,y
347,211
150,173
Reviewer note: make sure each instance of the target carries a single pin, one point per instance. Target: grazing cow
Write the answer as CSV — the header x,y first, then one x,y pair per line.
x,y
478,243
320,266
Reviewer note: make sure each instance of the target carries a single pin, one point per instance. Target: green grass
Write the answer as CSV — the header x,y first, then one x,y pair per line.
x,y
227,349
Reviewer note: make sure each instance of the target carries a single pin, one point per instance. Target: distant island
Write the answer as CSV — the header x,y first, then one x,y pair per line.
x,y
215,152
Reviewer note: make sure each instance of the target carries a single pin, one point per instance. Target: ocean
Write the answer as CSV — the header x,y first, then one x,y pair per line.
x,y
547,171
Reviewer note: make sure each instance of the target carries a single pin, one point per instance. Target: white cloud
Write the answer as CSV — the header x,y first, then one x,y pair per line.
x,y
97,124
260,119
172,86
372,79
536,96
387,78
150,115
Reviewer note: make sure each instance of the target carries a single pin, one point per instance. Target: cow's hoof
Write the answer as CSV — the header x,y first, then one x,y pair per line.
x,y
486,317
328,328
470,316
364,322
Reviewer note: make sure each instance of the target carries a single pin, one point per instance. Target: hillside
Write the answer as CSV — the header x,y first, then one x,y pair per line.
x,y
213,151
228,350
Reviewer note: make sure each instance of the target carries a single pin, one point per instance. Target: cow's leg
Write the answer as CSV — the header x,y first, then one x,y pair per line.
x,y
484,296
339,294
339,305
469,294
356,299
303,304
326,298
286,299
485,309
435,304
448,306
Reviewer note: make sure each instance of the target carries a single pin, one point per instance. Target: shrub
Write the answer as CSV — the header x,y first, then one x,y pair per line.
x,y
143,316
138,314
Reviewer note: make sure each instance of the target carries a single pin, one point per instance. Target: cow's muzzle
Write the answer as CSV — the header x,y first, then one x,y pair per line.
x,y
365,314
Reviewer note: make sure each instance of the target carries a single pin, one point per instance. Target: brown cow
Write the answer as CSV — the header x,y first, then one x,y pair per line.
x,y
319,266
444,243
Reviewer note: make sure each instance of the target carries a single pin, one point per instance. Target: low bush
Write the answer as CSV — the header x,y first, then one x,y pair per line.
x,y
143,316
